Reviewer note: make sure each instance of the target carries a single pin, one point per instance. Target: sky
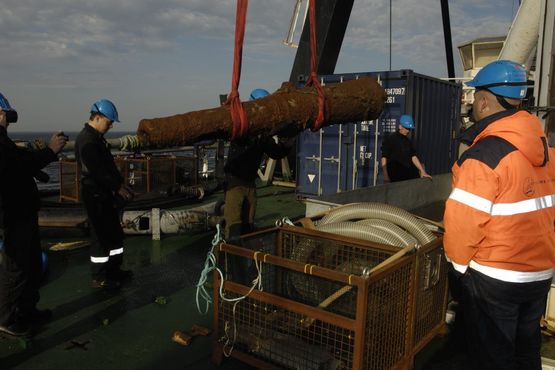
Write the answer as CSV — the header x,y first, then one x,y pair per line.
x,y
156,58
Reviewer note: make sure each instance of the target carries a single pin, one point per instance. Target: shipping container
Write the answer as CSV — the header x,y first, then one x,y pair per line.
x,y
346,157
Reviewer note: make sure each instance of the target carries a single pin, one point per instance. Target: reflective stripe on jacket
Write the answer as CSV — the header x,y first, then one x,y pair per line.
x,y
499,218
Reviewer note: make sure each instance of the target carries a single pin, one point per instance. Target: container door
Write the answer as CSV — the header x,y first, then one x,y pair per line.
x,y
435,106
366,153
332,154
319,160
395,86
308,163
347,157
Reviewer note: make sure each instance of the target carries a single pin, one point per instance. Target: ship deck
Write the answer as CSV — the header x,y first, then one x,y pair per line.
x,y
132,328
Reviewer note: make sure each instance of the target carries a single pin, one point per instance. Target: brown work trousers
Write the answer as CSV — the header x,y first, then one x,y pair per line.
x,y
240,208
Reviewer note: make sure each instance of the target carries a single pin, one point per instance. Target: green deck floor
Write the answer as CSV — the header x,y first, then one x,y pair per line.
x,y
128,329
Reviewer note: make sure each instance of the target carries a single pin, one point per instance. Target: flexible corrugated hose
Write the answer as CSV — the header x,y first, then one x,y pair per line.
x,y
376,222
398,216
361,231
389,227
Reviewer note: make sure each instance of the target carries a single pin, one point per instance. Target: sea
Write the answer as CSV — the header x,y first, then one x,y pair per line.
x,y
53,168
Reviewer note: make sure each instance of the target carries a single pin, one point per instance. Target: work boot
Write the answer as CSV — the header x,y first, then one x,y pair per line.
x,y
18,329
108,284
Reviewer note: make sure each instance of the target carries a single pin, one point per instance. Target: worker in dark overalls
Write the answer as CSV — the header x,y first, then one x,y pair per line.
x,y
399,161
21,259
103,191
241,170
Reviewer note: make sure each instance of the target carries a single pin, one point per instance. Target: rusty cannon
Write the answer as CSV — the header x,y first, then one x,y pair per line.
x,y
289,108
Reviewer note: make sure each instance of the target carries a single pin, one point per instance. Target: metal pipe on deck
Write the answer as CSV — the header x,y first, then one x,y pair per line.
x,y
123,143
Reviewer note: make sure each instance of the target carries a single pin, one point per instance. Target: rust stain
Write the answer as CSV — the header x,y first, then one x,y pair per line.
x,y
350,101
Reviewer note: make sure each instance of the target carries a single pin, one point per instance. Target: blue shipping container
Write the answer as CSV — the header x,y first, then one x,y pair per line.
x,y
346,157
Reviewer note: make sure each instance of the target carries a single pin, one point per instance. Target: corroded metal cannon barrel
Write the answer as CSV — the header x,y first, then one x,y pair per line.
x,y
289,107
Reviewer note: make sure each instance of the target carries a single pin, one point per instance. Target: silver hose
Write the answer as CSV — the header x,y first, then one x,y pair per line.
x,y
380,223
398,216
305,251
389,227
309,251
361,231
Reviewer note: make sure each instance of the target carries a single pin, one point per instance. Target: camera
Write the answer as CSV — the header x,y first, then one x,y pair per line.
x,y
11,116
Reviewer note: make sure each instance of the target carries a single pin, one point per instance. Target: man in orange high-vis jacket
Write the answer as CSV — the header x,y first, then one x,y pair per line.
x,y
499,223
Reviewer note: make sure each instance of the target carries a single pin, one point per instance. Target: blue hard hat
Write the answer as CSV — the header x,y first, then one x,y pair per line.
x,y
406,121
503,78
5,104
259,93
106,108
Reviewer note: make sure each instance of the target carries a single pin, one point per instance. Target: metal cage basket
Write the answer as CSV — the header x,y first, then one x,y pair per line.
x,y
327,301
144,173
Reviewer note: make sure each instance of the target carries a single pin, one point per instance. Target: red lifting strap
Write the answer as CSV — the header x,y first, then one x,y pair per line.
x,y
238,114
313,79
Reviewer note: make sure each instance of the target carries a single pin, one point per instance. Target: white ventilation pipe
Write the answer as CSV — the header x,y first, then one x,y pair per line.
x,y
523,35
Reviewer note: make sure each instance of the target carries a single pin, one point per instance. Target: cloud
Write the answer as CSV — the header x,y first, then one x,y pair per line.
x,y
123,26
90,32
180,51
108,32
417,29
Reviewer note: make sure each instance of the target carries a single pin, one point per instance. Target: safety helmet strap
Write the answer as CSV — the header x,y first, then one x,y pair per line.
x,y
503,84
504,103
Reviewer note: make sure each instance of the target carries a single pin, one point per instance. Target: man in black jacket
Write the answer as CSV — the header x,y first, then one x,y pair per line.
x,y
399,161
102,190
241,169
21,262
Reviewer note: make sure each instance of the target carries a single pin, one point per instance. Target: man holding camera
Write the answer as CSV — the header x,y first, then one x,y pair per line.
x,y
103,190
21,262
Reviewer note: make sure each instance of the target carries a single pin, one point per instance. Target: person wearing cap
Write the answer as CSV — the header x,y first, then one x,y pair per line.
x,y
499,217
399,161
244,157
103,190
21,260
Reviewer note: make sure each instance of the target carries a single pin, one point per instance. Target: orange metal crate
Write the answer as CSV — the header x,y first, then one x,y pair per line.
x,y
381,321
69,181
144,173
154,173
